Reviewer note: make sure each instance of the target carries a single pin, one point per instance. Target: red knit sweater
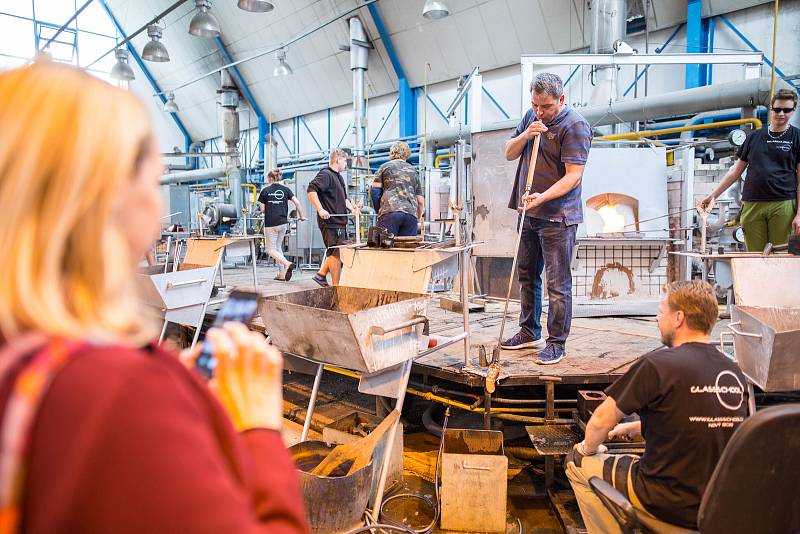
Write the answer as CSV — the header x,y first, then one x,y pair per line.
x,y
130,441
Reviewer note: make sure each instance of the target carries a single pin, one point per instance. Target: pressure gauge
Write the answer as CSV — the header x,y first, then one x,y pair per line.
x,y
738,234
737,137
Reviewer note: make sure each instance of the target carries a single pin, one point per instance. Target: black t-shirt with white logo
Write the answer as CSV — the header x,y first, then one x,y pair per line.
x,y
275,198
690,399
772,161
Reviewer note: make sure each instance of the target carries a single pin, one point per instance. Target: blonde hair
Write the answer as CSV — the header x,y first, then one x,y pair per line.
x,y
336,153
274,175
69,144
697,301
400,150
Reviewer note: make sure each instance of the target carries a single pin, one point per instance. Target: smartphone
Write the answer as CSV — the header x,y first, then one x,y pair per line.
x,y
241,307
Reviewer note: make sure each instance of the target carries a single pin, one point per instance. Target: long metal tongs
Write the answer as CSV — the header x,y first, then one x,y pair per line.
x,y
494,367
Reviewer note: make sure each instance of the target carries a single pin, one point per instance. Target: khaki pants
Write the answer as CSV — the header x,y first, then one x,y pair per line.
x,y
767,222
273,236
617,472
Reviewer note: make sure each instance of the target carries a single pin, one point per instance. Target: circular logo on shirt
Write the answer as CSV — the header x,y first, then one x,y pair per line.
x,y
278,194
729,390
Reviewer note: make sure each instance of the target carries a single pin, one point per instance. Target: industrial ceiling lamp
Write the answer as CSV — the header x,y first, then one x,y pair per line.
x,y
282,68
121,70
155,49
435,10
170,106
204,24
256,6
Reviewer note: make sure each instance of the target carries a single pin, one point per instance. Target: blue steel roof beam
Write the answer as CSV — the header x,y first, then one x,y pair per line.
x,y
146,71
263,127
408,100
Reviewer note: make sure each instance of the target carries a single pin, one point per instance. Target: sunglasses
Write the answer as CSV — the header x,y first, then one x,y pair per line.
x,y
782,110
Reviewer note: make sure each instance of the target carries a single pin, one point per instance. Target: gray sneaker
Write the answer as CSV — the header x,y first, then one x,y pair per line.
x,y
522,340
551,354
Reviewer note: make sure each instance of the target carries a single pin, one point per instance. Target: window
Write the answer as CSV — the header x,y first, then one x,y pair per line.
x,y
28,24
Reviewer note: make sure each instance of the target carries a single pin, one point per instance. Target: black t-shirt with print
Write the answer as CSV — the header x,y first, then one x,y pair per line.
x,y
275,198
690,400
772,161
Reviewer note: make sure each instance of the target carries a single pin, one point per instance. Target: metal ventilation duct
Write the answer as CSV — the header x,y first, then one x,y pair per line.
x,y
744,93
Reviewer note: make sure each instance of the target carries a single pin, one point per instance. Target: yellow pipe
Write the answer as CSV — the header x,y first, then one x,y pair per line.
x,y
255,191
440,157
436,398
774,46
654,133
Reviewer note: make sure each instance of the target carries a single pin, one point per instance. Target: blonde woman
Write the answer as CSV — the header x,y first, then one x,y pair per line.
x,y
101,432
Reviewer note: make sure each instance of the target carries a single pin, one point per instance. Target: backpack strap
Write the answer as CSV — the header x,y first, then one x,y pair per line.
x,y
37,359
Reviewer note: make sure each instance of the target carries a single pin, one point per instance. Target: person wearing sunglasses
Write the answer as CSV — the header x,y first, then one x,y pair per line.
x,y
771,156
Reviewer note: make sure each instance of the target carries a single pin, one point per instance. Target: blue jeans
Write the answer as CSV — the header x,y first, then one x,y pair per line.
x,y
399,223
546,244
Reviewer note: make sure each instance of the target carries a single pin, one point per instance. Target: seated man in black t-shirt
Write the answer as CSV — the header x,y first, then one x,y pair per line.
x,y
690,398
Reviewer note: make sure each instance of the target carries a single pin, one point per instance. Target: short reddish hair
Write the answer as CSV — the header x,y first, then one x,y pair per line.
x,y
696,299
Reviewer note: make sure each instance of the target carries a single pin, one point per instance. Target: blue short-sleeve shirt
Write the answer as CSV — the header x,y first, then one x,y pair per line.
x,y
567,140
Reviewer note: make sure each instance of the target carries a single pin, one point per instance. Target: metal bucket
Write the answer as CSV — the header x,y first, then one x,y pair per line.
x,y
767,345
354,328
334,503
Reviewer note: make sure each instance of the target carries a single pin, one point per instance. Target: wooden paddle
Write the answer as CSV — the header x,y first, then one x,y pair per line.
x,y
360,451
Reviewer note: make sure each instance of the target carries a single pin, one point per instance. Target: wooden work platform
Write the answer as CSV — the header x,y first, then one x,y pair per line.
x,y
598,350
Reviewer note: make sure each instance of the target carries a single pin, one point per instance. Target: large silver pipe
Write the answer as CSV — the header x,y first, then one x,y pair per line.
x,y
745,93
358,64
191,176
608,25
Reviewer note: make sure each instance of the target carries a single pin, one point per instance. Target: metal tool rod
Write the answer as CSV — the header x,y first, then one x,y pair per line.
x,y
387,450
443,344
166,254
465,301
528,185
311,402
253,256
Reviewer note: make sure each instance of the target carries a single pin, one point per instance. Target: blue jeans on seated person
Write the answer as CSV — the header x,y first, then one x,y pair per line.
x,y
399,223
546,244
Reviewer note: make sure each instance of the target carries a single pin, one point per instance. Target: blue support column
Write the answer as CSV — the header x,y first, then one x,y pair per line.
x,y
408,108
696,41
263,125
135,55
408,100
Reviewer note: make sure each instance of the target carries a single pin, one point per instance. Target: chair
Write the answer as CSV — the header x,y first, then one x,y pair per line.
x,y
754,487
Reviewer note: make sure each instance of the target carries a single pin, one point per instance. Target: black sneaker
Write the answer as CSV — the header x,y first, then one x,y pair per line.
x,y
551,354
288,274
522,340
321,280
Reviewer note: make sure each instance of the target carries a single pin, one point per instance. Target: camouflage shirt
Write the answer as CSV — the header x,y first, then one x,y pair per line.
x,y
401,186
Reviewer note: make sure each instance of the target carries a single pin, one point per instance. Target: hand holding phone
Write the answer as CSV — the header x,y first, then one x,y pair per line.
x,y
240,307
248,380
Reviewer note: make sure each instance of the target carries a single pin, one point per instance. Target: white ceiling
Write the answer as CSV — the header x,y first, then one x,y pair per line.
x,y
487,33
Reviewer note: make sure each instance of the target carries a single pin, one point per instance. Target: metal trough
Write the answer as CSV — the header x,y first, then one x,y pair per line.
x,y
765,322
411,269
182,296
767,345
354,328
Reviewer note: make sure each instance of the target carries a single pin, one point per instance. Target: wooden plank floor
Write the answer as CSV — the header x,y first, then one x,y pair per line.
x,y
599,349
